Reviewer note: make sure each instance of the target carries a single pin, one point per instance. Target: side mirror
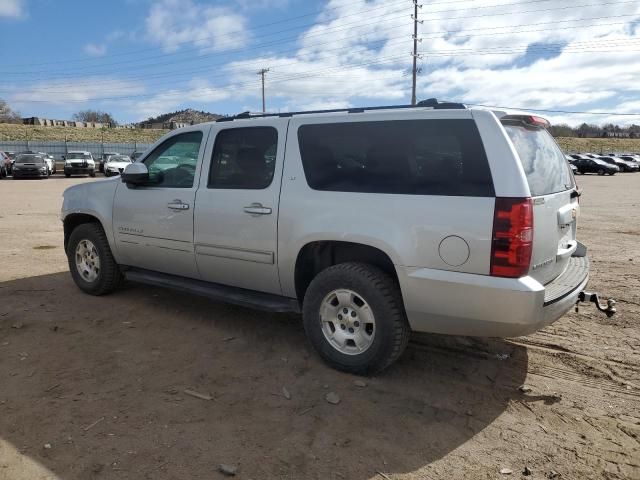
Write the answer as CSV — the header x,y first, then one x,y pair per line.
x,y
135,174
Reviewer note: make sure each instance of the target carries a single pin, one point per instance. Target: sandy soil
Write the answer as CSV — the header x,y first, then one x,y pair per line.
x,y
95,387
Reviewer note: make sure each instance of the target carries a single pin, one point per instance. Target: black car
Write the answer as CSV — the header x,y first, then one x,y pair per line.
x,y
29,165
594,165
623,165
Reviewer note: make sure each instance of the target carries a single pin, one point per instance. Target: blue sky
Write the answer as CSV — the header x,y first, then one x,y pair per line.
x,y
137,58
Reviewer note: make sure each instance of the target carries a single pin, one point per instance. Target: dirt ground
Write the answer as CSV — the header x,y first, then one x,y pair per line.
x,y
95,387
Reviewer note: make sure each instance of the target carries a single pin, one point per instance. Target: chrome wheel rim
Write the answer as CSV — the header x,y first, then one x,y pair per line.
x,y
347,322
87,260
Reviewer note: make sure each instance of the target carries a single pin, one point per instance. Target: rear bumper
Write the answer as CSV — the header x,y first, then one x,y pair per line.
x,y
477,305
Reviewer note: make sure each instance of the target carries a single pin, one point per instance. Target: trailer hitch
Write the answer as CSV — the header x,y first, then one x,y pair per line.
x,y
588,297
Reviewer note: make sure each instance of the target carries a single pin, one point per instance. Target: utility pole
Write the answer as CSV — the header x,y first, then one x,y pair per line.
x,y
261,73
415,51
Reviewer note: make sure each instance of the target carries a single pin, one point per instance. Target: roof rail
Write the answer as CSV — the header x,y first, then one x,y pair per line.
x,y
431,102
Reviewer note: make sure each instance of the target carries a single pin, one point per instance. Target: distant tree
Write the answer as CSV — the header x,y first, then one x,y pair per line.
x,y
562,130
7,114
94,116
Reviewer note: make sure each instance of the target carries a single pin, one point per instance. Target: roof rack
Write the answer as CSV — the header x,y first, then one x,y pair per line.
x,y
429,103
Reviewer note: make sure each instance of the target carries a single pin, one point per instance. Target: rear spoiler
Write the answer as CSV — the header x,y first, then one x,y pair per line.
x,y
528,120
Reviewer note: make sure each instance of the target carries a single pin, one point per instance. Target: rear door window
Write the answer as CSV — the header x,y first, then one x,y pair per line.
x,y
410,157
544,164
244,158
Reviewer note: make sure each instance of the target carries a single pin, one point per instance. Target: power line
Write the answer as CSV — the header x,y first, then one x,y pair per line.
x,y
324,32
313,73
450,33
576,47
207,37
260,26
572,112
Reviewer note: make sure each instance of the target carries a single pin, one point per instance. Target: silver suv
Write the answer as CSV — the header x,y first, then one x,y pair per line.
x,y
370,222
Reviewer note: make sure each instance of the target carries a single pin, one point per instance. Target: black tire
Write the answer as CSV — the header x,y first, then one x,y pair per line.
x,y
106,173
601,172
382,294
109,275
581,172
612,173
67,175
92,173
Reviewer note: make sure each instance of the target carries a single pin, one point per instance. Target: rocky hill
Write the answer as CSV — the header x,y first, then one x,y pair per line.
x,y
188,115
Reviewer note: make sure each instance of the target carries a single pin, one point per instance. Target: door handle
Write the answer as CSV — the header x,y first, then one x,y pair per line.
x,y
257,209
178,205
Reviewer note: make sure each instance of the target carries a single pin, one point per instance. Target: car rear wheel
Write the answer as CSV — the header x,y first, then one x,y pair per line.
x,y
354,317
92,266
601,172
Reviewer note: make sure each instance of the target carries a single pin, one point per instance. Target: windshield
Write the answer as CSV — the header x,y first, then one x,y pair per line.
x,y
78,156
544,164
29,159
119,159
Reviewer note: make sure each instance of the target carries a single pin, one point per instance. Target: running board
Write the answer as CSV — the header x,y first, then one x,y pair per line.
x,y
215,291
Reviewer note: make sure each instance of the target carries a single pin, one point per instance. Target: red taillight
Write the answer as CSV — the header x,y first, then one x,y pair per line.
x,y
512,237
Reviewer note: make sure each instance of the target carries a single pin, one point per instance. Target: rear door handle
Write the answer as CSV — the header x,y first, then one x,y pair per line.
x,y
257,209
178,205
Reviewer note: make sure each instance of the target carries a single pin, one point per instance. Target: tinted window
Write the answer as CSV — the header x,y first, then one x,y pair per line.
x,y
411,157
544,164
29,159
244,158
173,163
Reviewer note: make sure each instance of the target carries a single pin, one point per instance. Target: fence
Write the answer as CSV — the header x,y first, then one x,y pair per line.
x,y
57,149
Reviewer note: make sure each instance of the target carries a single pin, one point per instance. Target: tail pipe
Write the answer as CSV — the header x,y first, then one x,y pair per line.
x,y
587,297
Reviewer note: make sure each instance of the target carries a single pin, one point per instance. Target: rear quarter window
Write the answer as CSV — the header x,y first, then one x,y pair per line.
x,y
410,157
543,162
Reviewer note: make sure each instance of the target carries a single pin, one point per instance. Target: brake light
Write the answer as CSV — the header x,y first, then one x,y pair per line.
x,y
512,241
532,120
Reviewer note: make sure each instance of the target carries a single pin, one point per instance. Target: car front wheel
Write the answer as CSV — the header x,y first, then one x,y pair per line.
x,y
354,317
92,266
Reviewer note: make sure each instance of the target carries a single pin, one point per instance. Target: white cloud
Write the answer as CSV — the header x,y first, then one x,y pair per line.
x,y
95,50
82,90
12,8
172,23
197,92
472,51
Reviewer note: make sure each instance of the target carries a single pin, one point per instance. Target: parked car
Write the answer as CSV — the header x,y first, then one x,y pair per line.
x,y
79,163
631,158
595,165
136,155
623,165
372,224
104,158
5,165
12,157
31,165
116,164
50,161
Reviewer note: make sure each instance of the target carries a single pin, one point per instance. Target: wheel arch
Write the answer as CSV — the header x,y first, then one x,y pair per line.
x,y
317,255
73,220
